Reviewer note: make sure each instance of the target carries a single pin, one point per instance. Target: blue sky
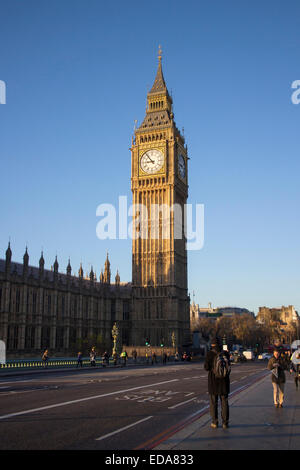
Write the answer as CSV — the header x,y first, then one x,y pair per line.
x,y
77,74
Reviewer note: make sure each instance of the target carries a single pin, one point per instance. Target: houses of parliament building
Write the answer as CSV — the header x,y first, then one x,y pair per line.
x,y
42,308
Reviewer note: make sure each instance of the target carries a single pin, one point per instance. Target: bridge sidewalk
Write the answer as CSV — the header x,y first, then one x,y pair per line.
x,y
255,423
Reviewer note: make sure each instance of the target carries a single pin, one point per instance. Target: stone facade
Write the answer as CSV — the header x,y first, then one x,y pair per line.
x,y
42,308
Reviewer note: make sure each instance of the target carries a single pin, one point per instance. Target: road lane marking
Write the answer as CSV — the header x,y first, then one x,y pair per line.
x,y
123,429
17,381
79,400
182,403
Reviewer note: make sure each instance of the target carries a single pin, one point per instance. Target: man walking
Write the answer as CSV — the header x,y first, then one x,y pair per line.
x,y
218,383
277,365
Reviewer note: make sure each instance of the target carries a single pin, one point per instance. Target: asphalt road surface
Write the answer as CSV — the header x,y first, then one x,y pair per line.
x,y
135,407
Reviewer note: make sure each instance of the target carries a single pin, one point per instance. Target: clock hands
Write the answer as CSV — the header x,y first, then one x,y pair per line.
x,y
149,158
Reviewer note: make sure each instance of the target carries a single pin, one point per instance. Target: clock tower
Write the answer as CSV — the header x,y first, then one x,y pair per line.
x,y
159,184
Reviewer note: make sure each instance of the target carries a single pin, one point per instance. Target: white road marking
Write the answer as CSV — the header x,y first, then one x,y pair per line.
x,y
79,400
182,403
17,381
123,429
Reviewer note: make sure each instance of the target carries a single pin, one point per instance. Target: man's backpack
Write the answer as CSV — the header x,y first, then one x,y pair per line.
x,y
221,368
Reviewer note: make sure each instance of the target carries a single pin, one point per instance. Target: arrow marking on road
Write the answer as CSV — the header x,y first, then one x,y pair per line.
x,y
72,402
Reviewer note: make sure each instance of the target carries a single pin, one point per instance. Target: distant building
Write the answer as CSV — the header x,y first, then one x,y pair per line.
x,y
197,312
286,315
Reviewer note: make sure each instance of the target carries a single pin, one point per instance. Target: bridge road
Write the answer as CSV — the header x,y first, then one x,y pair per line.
x,y
107,409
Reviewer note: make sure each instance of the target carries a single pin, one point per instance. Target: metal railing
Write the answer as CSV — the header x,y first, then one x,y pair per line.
x,y
51,363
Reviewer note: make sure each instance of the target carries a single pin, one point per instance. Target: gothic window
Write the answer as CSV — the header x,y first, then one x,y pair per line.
x,y
45,337
125,310
29,337
12,336
17,300
125,337
0,298
49,304
34,302
75,307
113,309
72,336
59,338
86,307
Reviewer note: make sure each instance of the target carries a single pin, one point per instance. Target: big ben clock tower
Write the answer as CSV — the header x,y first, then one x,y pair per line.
x,y
159,184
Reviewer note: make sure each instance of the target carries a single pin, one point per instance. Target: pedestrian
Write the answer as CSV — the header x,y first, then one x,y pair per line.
x,y
295,367
93,357
153,358
277,366
45,358
105,359
176,356
218,387
124,356
134,355
79,359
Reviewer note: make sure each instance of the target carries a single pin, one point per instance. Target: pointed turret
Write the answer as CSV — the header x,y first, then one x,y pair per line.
x,y
55,269
69,269
159,85
25,262
80,272
26,258
55,266
117,278
41,265
159,112
8,255
92,274
107,270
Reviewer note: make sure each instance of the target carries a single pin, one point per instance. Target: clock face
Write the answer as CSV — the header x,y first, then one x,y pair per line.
x,y
152,161
181,166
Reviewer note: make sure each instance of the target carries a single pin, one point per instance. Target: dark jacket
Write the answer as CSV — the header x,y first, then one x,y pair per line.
x,y
277,366
216,386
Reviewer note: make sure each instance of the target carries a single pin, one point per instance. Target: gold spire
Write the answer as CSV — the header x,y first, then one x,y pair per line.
x,y
159,84
159,53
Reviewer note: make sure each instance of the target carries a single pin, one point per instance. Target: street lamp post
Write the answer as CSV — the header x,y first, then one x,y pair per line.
x,y
115,333
173,340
